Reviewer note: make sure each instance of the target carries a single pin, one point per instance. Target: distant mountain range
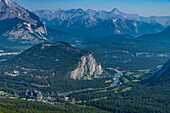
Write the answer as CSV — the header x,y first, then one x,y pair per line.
x,y
20,25
115,21
104,15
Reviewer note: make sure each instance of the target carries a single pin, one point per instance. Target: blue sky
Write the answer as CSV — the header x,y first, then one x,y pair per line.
x,y
142,7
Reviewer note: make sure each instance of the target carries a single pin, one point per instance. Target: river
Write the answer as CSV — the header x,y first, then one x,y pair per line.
x,y
116,79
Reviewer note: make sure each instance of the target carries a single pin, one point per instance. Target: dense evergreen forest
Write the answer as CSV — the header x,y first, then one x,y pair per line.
x,y
20,106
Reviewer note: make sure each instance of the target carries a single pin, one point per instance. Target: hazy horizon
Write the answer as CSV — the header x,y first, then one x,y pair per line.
x,y
141,7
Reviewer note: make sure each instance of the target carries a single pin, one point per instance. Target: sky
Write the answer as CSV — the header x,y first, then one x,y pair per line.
x,y
141,7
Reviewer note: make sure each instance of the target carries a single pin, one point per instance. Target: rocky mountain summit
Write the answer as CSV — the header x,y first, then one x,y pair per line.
x,y
26,27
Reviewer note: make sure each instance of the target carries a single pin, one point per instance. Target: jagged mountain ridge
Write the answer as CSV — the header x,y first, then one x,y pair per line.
x,y
60,58
27,29
114,21
104,15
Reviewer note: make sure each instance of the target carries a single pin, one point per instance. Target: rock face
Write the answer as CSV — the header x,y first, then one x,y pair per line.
x,y
7,2
28,27
25,33
87,69
115,21
11,10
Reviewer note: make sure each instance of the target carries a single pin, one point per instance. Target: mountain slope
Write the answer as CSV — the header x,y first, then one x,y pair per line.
x,y
162,77
93,21
163,36
20,25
